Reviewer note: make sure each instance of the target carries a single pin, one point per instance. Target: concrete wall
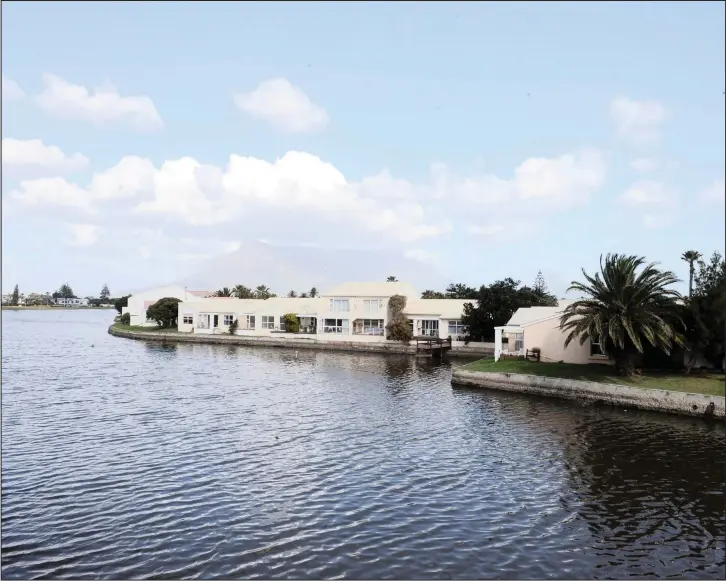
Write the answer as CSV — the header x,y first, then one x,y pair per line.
x,y
547,336
619,395
136,302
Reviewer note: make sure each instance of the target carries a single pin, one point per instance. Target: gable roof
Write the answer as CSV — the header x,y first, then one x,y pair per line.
x,y
372,289
445,308
530,315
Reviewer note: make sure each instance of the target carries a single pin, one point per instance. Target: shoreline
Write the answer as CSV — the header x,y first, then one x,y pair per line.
x,y
54,308
623,396
248,341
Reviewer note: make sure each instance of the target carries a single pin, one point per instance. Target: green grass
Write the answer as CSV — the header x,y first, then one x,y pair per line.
x,y
50,308
121,327
696,382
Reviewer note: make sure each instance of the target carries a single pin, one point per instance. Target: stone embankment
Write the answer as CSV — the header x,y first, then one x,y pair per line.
x,y
472,351
623,396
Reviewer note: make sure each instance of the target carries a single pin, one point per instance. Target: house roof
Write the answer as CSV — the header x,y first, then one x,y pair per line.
x,y
529,315
444,308
372,289
201,293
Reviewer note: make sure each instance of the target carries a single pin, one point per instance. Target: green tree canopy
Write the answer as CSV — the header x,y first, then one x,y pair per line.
x,y
121,302
431,294
391,279
64,292
15,298
164,311
627,303
105,293
263,292
242,292
223,292
691,257
313,292
460,291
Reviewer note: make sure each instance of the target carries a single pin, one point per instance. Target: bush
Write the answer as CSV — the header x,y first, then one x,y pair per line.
x,y
164,311
125,319
292,324
233,327
398,329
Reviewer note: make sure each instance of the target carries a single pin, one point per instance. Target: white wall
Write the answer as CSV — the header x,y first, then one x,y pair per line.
x,y
136,302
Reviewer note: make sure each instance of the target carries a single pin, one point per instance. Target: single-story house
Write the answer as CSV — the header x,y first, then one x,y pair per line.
x,y
539,327
139,302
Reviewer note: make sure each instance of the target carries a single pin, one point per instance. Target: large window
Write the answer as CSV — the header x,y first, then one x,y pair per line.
x,y
268,322
282,322
372,305
188,319
339,305
228,319
247,323
372,327
430,327
596,349
336,326
456,328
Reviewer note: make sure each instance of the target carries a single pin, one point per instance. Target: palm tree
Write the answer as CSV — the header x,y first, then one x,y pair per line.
x,y
313,292
262,292
242,292
292,294
391,279
622,306
303,295
223,292
691,257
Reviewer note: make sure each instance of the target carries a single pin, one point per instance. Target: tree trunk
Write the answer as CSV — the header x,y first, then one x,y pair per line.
x,y
627,360
691,270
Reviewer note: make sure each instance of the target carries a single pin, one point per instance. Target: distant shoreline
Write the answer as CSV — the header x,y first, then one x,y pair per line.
x,y
53,308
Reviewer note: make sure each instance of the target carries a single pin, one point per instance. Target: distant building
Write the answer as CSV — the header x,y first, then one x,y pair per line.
x,y
71,302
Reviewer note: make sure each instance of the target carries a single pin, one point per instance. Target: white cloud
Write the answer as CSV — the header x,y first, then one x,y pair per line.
x,y
423,256
103,106
145,252
656,221
52,191
645,164
283,105
11,91
83,234
489,230
638,121
32,156
716,192
656,202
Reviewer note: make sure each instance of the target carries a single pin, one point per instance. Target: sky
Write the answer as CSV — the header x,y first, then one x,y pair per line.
x,y
484,140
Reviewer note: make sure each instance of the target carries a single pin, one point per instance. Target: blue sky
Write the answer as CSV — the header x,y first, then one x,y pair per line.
x,y
485,140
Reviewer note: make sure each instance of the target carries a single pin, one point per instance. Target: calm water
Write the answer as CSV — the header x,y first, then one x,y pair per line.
x,y
124,459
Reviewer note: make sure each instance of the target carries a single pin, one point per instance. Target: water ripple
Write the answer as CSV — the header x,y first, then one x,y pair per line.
x,y
129,460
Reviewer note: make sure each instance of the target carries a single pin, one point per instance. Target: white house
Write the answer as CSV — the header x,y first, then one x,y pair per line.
x,y
71,302
348,312
139,302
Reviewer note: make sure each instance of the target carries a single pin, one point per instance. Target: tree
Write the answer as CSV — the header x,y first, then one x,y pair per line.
x,y
691,257
303,295
242,292
398,328
165,312
460,291
391,279
623,307
495,305
15,298
541,292
292,323
292,294
706,311
120,303
105,293
313,292
263,292
539,283
64,292
223,292
430,294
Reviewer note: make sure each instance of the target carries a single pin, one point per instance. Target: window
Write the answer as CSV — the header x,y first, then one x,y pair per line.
x,y
247,323
282,323
519,341
228,319
268,322
430,327
372,305
370,327
456,328
339,306
595,347
188,320
335,326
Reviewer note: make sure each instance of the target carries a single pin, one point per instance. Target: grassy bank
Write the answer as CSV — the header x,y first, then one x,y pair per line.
x,y
137,328
696,382
49,308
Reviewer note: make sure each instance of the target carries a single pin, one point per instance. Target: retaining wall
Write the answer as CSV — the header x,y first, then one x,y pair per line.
x,y
690,404
289,343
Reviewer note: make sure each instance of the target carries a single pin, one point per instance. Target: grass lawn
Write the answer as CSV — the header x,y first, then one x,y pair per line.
x,y
121,327
52,308
696,382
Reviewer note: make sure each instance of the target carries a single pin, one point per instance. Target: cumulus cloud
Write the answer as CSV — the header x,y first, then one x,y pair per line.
x,y
83,234
305,198
638,121
715,193
284,106
11,91
28,158
489,230
102,106
645,164
655,202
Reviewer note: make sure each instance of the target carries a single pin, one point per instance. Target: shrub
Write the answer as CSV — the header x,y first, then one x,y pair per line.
x,y
125,319
292,324
233,327
398,328
164,311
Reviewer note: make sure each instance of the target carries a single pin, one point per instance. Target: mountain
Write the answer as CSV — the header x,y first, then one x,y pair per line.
x,y
283,268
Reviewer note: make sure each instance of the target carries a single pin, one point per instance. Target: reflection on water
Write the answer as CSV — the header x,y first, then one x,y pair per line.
x,y
132,459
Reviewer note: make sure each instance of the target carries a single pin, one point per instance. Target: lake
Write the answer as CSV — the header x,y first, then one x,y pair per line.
x,y
126,459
